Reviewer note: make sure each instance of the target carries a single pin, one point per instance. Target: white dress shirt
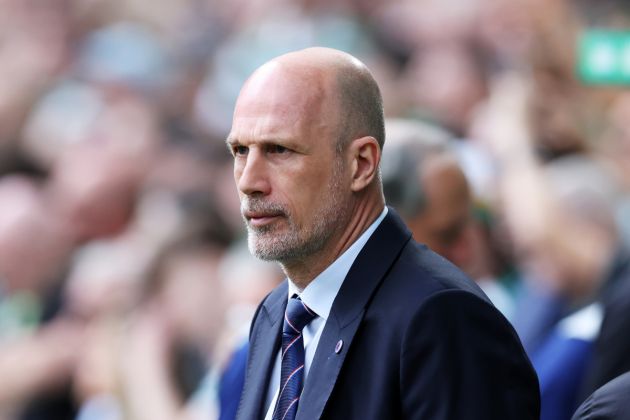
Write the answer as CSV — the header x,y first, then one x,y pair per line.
x,y
319,296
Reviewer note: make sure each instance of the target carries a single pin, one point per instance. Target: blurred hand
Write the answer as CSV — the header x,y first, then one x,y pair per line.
x,y
502,125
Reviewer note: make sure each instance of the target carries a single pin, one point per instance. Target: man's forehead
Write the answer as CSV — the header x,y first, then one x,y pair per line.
x,y
274,128
276,95
276,112
277,84
261,130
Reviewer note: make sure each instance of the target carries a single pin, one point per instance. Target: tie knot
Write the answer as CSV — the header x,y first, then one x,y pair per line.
x,y
297,316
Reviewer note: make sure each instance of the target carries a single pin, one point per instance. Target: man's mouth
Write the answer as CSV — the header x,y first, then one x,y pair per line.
x,y
258,219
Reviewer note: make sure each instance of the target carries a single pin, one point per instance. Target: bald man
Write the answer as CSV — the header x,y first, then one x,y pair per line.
x,y
368,324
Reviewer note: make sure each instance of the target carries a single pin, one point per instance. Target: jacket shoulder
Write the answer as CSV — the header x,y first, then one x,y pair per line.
x,y
420,273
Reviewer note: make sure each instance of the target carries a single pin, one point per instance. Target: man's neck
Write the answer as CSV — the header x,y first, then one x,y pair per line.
x,y
303,271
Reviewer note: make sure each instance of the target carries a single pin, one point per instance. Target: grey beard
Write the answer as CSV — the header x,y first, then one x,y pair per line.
x,y
292,245
297,243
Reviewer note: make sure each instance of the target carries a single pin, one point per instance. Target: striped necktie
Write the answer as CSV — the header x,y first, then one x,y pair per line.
x,y
296,317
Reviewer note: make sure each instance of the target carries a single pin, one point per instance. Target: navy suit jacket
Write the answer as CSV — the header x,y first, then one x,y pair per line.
x,y
420,341
610,402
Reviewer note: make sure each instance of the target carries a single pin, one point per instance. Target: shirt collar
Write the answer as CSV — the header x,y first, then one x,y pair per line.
x,y
320,294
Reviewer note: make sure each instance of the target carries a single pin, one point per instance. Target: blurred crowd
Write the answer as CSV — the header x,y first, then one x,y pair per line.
x,y
126,288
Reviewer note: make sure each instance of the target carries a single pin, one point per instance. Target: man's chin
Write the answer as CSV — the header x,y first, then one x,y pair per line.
x,y
266,254
268,248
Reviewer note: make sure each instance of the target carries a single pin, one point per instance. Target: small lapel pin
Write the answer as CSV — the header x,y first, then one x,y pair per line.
x,y
339,346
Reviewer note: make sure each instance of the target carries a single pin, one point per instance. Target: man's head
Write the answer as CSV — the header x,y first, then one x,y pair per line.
x,y
306,137
425,183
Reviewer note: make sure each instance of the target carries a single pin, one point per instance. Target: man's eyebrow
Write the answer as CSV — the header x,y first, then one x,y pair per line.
x,y
232,142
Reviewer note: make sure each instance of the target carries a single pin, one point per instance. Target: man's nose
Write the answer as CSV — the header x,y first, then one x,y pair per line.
x,y
253,177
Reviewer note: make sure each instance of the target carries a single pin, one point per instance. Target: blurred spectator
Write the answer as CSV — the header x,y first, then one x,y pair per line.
x,y
34,253
422,178
179,322
245,282
94,191
23,217
587,208
612,347
424,181
561,220
144,331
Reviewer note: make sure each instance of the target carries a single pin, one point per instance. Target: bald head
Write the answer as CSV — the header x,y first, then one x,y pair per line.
x,y
306,137
334,80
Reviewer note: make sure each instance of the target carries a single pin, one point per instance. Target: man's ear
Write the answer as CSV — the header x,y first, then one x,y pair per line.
x,y
366,155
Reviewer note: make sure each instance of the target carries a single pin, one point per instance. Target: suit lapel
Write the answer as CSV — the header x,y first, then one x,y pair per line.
x,y
347,312
264,342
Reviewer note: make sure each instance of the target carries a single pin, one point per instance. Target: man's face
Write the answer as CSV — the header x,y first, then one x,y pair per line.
x,y
289,178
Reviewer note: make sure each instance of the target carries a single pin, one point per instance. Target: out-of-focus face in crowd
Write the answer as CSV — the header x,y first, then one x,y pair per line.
x,y
424,180
33,246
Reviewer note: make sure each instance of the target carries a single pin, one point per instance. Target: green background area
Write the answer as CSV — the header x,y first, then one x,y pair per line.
x,y
604,57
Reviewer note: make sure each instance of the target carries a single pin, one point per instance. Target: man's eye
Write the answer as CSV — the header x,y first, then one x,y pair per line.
x,y
239,150
274,148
